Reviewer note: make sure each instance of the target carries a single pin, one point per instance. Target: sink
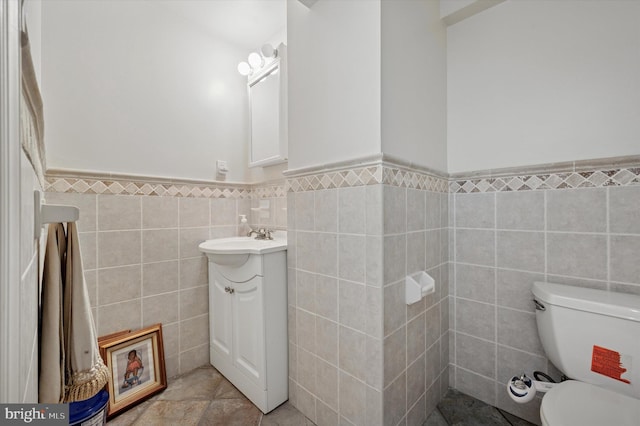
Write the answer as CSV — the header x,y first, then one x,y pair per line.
x,y
235,251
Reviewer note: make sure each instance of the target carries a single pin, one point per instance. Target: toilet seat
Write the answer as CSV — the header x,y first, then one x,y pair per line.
x,y
581,404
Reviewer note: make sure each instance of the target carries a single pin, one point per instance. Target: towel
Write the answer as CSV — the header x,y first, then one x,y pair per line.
x,y
86,374
51,381
31,110
71,368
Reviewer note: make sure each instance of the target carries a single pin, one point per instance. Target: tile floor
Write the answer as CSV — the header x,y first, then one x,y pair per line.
x,y
204,397
458,409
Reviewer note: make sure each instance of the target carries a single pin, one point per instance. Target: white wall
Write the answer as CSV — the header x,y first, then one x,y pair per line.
x,y
447,7
131,88
533,82
334,81
414,83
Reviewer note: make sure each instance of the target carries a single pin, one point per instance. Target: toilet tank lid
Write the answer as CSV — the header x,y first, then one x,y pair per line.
x,y
620,305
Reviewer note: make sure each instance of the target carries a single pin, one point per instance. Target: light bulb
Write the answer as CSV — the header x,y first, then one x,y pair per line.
x,y
255,60
244,68
268,51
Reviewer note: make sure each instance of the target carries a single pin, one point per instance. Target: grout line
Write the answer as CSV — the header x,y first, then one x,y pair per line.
x,y
503,416
546,235
141,263
441,414
454,302
97,260
404,305
315,315
179,354
608,224
523,351
552,231
533,272
494,380
495,304
495,286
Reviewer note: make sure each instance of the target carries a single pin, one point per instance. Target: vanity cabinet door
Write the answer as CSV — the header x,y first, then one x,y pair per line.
x,y
220,319
248,330
248,327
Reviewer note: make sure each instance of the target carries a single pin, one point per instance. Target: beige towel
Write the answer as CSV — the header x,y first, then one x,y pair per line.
x,y
51,379
71,368
86,374
31,110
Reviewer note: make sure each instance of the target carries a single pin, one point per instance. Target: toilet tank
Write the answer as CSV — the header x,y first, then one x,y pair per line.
x,y
591,335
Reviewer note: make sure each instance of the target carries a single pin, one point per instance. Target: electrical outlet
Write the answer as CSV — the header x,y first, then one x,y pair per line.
x,y
221,166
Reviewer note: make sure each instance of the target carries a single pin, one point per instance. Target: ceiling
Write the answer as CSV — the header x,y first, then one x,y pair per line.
x,y
245,23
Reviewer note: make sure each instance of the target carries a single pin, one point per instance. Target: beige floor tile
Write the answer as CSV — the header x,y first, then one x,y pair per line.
x,y
231,412
199,384
171,413
227,391
285,415
130,416
204,397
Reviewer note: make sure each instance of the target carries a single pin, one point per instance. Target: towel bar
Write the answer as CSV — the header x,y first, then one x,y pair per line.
x,y
50,213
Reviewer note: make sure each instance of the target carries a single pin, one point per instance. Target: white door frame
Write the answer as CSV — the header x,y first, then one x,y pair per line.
x,y
10,80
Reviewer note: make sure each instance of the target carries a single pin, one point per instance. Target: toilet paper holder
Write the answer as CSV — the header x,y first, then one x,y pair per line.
x,y
418,286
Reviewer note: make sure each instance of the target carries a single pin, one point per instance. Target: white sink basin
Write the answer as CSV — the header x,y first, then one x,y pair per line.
x,y
236,250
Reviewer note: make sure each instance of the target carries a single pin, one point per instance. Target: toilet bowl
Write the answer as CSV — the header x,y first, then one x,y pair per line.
x,y
577,403
593,337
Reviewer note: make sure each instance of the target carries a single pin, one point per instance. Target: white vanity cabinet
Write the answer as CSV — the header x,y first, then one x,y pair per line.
x,y
248,325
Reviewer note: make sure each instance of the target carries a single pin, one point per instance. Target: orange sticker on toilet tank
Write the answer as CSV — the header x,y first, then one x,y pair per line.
x,y
610,363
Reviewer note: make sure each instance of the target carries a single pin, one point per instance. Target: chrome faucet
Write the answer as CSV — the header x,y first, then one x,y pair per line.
x,y
261,234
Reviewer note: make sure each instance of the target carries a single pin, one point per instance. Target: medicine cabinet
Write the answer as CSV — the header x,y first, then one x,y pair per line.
x,y
268,112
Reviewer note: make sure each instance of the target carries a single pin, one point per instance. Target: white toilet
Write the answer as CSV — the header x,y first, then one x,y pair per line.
x,y
593,337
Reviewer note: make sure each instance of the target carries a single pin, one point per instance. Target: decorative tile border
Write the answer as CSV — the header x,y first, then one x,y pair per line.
x,y
382,171
568,180
358,176
619,171
98,186
85,185
414,180
269,190
368,175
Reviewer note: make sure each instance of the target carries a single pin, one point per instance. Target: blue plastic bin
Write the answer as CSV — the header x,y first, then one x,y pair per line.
x,y
90,412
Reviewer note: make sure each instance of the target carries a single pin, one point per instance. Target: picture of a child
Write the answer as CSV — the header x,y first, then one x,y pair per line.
x,y
134,369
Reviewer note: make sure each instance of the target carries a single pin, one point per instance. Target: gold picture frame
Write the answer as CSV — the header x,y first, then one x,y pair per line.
x,y
112,335
136,366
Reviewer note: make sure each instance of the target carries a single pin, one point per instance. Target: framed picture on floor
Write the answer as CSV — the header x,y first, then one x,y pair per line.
x,y
112,335
136,363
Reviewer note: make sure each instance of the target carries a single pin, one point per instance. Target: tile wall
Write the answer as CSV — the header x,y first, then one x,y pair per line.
x,y
502,243
276,194
358,354
335,304
416,337
142,264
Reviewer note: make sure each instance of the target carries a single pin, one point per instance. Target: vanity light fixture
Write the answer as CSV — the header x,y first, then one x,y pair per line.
x,y
268,51
256,60
244,68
